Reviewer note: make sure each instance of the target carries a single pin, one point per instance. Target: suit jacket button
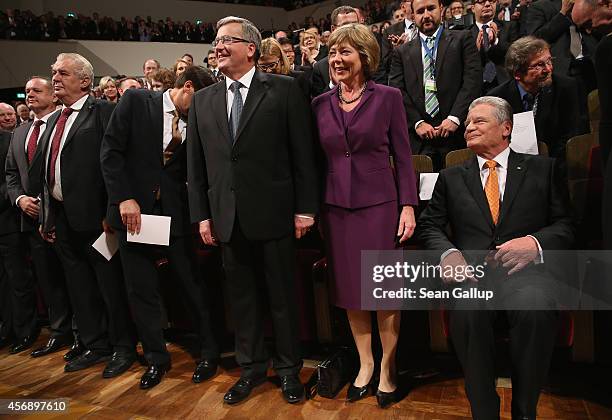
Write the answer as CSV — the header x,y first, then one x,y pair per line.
x,y
347,154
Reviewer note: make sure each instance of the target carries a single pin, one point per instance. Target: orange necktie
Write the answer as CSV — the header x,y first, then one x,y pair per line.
x,y
492,190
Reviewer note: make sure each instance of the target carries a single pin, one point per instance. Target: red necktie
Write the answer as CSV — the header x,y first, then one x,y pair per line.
x,y
33,140
55,144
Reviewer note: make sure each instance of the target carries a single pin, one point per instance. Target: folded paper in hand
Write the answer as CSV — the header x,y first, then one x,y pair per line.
x,y
154,230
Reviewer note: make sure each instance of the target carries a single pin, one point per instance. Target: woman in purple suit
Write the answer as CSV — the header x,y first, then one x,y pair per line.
x,y
367,205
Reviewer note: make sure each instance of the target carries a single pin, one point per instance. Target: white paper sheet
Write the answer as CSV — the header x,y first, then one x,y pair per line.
x,y
524,138
154,230
106,245
427,182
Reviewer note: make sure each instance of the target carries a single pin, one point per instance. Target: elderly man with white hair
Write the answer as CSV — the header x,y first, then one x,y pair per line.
x,y
73,208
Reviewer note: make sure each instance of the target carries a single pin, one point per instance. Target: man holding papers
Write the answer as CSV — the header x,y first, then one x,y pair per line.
x,y
144,166
533,87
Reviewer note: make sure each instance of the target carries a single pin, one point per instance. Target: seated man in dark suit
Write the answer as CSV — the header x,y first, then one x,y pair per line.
x,y
510,204
552,98
145,179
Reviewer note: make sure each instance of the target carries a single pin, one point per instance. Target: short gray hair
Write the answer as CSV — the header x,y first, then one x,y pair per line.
x,y
84,69
45,79
249,30
521,51
502,111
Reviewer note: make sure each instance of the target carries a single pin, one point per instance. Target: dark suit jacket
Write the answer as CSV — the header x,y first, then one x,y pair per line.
x,y
545,21
267,175
359,172
386,49
534,204
9,217
507,34
132,161
556,118
320,78
83,190
458,79
23,178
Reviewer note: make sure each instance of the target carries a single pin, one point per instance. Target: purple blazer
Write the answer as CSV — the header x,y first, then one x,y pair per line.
x,y
359,172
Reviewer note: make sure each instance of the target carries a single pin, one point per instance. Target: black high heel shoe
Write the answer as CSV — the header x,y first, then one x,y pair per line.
x,y
385,399
357,393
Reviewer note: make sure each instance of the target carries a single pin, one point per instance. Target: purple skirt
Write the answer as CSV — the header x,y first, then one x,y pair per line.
x,y
347,233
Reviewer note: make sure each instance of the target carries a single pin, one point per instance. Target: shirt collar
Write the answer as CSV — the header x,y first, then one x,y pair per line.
x,y
78,104
245,80
435,34
521,90
408,23
168,105
479,25
43,119
501,159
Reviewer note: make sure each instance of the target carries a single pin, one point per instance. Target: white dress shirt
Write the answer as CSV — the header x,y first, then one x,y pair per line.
x,y
56,192
410,29
502,173
43,127
435,53
169,109
244,90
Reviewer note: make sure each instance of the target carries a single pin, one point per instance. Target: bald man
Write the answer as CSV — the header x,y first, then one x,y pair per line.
x,y
8,117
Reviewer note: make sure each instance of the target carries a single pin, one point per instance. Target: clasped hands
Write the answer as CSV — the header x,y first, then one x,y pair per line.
x,y
428,132
514,255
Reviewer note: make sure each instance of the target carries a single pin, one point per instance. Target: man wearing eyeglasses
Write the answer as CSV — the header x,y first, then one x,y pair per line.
x,y
493,37
534,87
252,184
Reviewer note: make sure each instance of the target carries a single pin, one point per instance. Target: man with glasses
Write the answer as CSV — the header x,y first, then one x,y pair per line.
x,y
493,37
252,184
552,98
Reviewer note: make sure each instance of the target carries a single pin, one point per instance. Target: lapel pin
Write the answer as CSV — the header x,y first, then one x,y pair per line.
x,y
518,167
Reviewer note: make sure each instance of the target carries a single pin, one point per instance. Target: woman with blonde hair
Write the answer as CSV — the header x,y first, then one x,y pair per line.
x,y
272,59
367,204
311,48
108,88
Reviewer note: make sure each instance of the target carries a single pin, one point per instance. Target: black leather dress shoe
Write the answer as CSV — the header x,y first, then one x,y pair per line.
x,y
153,375
205,369
119,363
23,344
385,399
292,388
242,389
75,351
53,345
355,393
87,359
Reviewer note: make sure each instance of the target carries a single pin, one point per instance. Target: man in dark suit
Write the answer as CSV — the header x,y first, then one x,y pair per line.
x,y
252,186
141,179
320,71
395,35
553,98
492,48
571,47
509,205
439,74
73,208
23,176
19,299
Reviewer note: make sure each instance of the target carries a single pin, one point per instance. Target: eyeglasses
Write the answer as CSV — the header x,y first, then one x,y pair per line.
x,y
268,66
227,40
541,65
483,2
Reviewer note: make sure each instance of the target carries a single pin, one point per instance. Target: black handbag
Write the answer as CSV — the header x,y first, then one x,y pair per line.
x,y
332,374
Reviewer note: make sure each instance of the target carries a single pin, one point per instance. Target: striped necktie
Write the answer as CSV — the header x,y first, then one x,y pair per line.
x,y
432,105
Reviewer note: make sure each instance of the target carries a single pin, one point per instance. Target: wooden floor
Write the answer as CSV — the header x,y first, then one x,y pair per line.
x,y
177,397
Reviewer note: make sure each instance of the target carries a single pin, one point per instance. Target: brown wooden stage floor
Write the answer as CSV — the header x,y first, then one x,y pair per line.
x,y
177,397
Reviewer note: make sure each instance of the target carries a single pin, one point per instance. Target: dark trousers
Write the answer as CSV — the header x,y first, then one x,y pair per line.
x,y
51,280
20,285
96,289
532,338
250,266
143,285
